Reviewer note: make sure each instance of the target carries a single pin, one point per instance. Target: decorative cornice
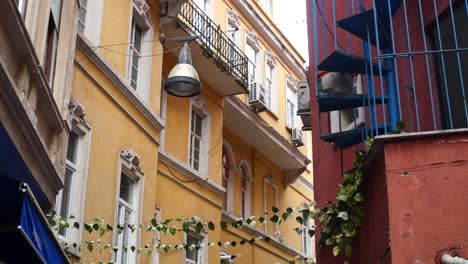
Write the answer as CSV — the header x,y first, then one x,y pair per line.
x,y
252,39
271,59
199,103
77,112
132,161
233,18
290,80
191,173
112,75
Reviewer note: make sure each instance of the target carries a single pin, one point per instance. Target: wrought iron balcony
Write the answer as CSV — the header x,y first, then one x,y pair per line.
x,y
213,45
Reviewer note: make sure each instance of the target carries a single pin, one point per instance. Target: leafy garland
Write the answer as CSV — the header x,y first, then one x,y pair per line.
x,y
180,224
339,221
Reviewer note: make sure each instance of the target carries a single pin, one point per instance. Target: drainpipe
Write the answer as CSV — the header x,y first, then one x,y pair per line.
x,y
448,259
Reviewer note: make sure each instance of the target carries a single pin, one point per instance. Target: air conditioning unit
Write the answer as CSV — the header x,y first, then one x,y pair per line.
x,y
297,138
257,97
303,98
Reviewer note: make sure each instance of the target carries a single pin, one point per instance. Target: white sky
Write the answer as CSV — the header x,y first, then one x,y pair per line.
x,y
291,19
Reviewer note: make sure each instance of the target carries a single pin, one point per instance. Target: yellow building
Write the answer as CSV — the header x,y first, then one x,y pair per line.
x,y
136,153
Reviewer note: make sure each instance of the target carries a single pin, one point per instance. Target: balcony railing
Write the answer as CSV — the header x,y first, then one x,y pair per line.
x,y
411,58
215,42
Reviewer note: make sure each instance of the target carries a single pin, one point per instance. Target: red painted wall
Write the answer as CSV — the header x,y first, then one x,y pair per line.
x,y
428,208
327,172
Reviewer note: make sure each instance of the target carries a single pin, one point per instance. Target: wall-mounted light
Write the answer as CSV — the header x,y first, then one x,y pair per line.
x,y
183,80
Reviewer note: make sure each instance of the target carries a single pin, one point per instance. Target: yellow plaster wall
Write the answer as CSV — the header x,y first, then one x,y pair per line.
x,y
112,131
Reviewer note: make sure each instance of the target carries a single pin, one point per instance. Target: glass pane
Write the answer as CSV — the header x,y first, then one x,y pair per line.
x,y
72,147
193,254
56,7
126,186
137,38
198,125
65,204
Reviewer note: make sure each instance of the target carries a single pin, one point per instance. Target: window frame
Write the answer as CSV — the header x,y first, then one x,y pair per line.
x,y
230,180
269,180
138,17
129,165
246,175
77,196
202,256
93,23
271,85
306,240
22,6
251,41
198,106
291,97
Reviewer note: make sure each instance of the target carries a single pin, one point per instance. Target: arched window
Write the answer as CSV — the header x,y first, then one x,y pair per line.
x,y
227,175
246,176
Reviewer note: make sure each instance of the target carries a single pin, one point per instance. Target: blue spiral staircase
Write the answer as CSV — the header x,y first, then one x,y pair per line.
x,y
373,27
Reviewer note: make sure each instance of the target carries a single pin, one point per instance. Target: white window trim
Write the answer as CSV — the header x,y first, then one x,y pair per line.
x,y
270,62
248,193
144,68
197,104
163,115
224,253
81,127
291,94
306,240
251,40
203,251
230,184
93,23
157,234
129,163
233,22
335,115
269,180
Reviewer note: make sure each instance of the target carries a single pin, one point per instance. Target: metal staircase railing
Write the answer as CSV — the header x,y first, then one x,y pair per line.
x,y
405,77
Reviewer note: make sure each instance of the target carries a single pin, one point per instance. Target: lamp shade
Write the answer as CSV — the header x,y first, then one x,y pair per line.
x,y
183,80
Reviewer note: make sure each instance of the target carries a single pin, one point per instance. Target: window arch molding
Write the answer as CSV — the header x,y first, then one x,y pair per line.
x,y
230,175
247,176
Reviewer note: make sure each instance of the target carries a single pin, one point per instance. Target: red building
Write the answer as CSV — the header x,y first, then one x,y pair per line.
x,y
373,64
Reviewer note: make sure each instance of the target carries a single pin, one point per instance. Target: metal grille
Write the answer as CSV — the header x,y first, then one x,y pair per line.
x,y
413,57
215,42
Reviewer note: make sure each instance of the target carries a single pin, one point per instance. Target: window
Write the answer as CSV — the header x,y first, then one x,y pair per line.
x,y
128,205
50,54
306,239
22,6
135,49
194,254
344,120
90,20
252,57
245,188
271,92
199,136
227,176
226,258
82,15
270,199
125,214
195,140
291,102
70,200
140,46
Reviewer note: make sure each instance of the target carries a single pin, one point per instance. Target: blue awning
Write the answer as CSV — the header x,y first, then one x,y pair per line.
x,y
25,235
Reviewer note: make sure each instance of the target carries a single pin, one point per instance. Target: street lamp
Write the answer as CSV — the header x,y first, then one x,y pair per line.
x,y
183,80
